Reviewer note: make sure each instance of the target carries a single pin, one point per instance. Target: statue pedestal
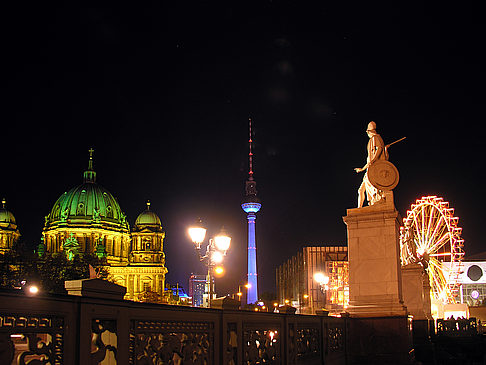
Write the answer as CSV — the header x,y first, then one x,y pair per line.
x,y
416,291
375,285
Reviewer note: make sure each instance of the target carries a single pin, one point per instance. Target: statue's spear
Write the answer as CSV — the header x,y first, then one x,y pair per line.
x,y
398,140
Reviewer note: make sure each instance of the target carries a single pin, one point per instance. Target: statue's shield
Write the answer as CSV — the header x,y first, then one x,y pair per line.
x,y
383,175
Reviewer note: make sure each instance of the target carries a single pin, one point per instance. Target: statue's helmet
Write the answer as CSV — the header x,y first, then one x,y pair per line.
x,y
371,126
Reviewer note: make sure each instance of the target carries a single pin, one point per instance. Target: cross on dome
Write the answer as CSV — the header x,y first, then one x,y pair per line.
x,y
90,175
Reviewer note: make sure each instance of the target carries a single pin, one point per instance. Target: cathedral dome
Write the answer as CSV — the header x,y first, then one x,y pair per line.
x,y
86,205
148,219
7,219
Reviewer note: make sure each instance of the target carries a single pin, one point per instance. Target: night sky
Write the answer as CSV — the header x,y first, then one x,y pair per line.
x,y
163,94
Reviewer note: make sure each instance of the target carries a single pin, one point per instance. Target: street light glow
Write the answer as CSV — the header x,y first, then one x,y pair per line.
x,y
33,289
321,278
222,241
219,270
216,257
197,232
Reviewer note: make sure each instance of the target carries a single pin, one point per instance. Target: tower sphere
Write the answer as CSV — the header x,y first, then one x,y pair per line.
x,y
251,207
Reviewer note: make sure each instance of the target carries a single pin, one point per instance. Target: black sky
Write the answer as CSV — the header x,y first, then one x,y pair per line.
x,y
163,94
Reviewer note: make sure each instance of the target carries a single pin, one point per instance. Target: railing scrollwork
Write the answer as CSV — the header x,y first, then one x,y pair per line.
x,y
31,339
171,342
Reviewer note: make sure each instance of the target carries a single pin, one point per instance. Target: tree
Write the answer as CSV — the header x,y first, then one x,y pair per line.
x,y
148,296
49,271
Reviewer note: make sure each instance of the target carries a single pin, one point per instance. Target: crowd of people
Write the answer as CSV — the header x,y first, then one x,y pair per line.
x,y
459,326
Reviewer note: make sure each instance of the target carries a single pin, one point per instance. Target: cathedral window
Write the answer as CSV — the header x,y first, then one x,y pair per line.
x,y
147,244
80,210
146,286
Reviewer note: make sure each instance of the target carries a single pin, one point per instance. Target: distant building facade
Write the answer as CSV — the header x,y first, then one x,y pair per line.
x,y
472,280
178,295
297,286
197,287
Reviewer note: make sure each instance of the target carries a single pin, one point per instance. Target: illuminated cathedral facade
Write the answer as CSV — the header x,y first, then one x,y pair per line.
x,y
9,233
88,218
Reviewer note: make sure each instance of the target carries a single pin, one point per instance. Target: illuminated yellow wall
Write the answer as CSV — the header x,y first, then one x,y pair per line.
x,y
117,244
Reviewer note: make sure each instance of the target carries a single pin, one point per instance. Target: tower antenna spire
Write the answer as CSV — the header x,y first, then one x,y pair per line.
x,y
250,154
251,205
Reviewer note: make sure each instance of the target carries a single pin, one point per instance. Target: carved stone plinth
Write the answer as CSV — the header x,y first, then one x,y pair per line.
x,y
225,303
375,285
416,291
383,340
95,288
287,309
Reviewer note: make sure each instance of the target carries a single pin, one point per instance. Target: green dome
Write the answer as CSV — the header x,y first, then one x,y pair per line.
x,y
87,204
6,217
148,218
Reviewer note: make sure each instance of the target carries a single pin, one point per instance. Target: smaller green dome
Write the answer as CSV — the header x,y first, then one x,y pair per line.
x,y
148,218
6,217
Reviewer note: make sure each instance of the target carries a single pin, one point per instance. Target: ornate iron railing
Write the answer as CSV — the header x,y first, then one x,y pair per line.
x,y
68,329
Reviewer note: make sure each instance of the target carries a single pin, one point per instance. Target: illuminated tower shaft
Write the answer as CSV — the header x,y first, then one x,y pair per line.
x,y
251,205
252,296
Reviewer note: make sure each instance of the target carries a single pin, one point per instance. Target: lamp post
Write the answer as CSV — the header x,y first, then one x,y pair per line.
x,y
304,298
216,249
323,281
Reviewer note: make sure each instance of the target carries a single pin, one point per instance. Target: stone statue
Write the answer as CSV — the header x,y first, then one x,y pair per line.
x,y
96,215
376,152
64,215
381,175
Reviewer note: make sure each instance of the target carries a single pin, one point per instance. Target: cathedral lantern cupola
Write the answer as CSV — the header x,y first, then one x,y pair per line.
x,y
148,238
90,175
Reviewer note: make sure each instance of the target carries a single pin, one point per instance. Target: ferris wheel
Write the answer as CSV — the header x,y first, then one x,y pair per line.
x,y
430,236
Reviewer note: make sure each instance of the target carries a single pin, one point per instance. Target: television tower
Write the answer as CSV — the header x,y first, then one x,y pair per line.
x,y
251,205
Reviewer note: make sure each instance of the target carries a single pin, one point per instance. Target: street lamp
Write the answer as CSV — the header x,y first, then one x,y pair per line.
x,y
214,255
33,289
303,299
323,281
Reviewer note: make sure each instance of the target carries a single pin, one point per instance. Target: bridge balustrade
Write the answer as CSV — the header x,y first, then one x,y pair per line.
x,y
70,329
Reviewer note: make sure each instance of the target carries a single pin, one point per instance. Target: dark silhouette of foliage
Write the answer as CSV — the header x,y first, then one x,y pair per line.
x,y
49,272
148,296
